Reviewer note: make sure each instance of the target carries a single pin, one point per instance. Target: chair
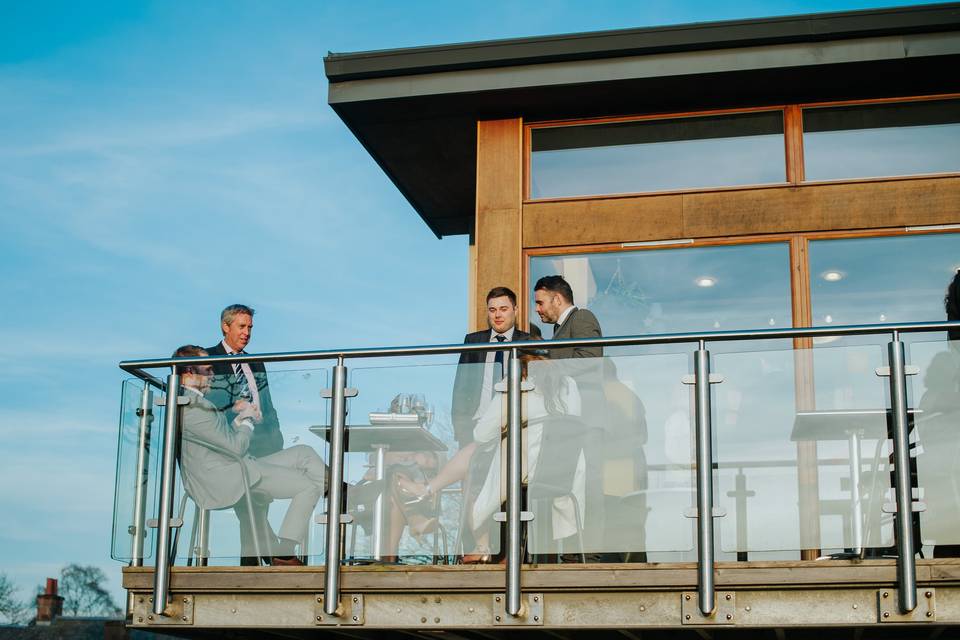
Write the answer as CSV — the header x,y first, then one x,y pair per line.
x,y
564,440
201,520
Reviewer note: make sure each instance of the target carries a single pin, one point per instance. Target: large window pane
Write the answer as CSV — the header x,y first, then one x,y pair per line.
x,y
653,155
678,290
881,140
876,280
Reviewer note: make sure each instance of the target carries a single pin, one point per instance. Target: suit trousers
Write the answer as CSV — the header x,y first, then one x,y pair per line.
x,y
296,473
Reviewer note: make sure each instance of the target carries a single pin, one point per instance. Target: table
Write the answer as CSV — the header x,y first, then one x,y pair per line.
x,y
851,425
379,438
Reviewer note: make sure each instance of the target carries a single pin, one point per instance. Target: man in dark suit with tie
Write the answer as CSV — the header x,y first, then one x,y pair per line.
x,y
473,387
244,383
234,388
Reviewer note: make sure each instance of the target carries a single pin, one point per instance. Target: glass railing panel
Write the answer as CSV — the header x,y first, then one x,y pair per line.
x,y
424,441
135,489
935,437
610,457
802,449
236,442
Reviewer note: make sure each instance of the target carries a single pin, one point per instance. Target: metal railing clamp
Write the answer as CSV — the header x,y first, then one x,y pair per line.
x,y
724,611
889,610
179,612
350,611
349,392
529,615
175,523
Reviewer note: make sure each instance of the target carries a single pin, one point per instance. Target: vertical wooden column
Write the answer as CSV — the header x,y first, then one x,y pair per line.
x,y
497,236
805,390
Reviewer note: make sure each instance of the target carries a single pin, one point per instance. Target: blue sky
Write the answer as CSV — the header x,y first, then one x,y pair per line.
x,y
159,160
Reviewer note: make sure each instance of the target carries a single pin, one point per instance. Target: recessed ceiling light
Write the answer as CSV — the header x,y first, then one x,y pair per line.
x,y
705,281
832,276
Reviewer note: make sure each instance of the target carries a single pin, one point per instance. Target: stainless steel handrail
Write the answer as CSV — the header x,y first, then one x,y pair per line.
x,y
136,367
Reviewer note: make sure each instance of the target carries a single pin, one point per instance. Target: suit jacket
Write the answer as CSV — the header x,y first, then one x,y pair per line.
x,y
584,364
469,383
225,391
213,479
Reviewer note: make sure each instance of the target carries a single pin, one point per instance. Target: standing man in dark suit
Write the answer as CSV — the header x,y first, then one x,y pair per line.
x,y
473,387
554,303
244,387
244,383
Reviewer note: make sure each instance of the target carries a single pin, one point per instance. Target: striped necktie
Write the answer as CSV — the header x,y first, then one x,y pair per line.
x,y
240,380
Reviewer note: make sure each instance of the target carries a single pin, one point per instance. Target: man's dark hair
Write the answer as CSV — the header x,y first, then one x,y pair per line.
x,y
952,305
952,300
497,292
555,284
189,351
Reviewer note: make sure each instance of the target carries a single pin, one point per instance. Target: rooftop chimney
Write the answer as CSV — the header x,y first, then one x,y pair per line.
x,y
49,604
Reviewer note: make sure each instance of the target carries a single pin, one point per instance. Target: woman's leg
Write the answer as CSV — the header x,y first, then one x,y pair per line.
x,y
454,471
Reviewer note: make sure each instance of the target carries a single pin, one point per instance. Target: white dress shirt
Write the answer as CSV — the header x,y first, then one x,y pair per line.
x,y
486,389
247,373
563,318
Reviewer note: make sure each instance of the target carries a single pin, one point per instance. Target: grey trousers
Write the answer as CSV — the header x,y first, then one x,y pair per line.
x,y
297,473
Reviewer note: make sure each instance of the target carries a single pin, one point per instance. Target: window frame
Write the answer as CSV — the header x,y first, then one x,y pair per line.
x,y
792,143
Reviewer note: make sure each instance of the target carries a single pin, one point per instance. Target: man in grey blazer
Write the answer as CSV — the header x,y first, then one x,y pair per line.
x,y
554,304
215,480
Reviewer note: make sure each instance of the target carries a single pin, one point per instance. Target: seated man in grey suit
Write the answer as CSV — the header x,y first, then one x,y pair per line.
x,y
214,480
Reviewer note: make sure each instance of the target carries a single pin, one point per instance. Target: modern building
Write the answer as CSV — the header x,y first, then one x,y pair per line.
x,y
701,187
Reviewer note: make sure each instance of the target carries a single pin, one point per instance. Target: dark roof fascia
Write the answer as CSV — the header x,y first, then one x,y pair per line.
x,y
643,41
370,149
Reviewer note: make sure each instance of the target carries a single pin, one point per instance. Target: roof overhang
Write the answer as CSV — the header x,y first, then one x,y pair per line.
x,y
415,110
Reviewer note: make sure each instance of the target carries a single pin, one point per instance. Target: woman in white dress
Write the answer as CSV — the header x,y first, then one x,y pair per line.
x,y
553,394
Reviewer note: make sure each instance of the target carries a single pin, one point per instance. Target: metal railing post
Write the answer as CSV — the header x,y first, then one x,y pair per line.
x,y
906,563
138,528
380,504
338,418
705,587
168,462
203,539
514,480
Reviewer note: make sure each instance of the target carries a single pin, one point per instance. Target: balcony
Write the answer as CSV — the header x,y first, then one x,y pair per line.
x,y
584,480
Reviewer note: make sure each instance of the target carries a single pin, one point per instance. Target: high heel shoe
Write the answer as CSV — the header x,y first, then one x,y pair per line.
x,y
410,494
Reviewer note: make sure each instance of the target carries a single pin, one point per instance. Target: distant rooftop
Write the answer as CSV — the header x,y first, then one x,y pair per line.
x,y
415,109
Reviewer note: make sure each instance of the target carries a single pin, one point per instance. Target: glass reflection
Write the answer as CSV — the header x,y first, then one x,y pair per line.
x,y
938,448
678,290
878,280
678,153
881,140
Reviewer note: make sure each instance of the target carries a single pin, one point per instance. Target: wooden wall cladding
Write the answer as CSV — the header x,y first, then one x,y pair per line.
x,y
736,212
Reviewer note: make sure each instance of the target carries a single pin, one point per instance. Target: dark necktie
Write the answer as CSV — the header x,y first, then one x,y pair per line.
x,y
556,328
498,357
240,379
